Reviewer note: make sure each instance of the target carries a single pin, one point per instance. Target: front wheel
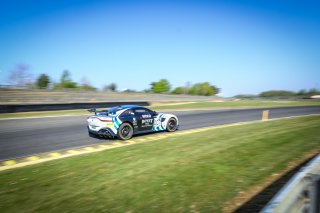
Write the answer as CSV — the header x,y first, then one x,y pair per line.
x,y
172,125
125,131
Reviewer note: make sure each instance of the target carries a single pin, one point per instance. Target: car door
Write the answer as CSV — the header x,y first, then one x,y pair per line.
x,y
144,119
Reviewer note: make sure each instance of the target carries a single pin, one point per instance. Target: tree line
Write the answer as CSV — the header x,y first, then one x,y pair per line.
x,y
66,83
285,94
204,88
21,77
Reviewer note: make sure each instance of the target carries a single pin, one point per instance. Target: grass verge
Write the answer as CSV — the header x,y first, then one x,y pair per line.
x,y
199,172
183,106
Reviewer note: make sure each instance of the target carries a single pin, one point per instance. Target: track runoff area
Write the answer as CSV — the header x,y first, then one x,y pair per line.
x,y
232,118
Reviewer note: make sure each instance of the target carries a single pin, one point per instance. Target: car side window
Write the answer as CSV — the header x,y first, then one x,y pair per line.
x,y
143,113
128,112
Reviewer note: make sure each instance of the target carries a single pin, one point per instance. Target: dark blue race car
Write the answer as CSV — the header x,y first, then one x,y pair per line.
x,y
125,121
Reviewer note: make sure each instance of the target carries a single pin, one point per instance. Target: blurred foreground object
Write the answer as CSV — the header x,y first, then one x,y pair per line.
x,y
315,97
301,193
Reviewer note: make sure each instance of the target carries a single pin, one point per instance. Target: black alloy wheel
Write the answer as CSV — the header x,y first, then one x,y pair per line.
x,y
125,131
172,125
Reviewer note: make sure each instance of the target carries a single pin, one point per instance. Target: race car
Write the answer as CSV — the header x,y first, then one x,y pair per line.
x,y
125,121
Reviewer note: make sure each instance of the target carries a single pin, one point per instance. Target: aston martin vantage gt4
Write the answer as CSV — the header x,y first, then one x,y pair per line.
x,y
125,121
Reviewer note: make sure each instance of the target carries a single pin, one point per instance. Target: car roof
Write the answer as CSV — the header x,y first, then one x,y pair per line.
x,y
117,108
130,106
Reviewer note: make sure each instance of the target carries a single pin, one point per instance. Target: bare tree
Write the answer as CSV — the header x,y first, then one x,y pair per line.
x,y
86,85
187,87
20,75
84,81
111,87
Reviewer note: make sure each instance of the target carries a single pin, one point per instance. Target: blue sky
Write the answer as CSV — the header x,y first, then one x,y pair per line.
x,y
241,46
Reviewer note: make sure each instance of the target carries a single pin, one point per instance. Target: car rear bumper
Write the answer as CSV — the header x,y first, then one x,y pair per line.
x,y
103,132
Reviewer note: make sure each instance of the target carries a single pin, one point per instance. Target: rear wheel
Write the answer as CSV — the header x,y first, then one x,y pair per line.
x,y
125,131
172,125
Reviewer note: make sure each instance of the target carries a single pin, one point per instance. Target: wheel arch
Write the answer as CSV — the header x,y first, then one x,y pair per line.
x,y
129,122
126,121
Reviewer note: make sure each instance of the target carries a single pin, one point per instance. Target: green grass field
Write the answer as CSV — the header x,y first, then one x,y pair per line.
x,y
186,106
199,172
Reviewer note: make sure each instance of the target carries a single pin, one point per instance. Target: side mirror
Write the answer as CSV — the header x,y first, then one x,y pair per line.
x,y
154,113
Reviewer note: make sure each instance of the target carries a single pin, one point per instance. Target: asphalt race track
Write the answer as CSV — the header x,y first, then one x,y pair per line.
x,y
23,137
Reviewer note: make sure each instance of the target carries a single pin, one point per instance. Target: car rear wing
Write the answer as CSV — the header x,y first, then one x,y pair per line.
x,y
98,112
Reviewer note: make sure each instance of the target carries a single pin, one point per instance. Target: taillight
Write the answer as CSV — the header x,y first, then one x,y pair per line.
x,y
105,119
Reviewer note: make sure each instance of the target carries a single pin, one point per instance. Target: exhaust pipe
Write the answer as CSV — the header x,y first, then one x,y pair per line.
x,y
105,133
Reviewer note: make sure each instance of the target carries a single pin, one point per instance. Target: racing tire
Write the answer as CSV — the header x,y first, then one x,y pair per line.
x,y
171,125
125,131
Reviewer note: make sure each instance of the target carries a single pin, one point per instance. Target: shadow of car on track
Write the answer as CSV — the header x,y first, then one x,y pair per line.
x,y
135,136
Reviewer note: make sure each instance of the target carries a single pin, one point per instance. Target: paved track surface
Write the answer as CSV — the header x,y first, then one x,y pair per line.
x,y
23,137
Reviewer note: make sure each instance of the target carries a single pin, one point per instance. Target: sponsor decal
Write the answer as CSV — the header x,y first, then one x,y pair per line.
x,y
146,122
146,116
157,126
